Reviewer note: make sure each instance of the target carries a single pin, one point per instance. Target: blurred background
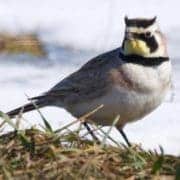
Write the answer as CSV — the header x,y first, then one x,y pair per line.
x,y
41,42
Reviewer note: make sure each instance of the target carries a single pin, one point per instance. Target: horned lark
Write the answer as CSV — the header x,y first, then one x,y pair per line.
x,y
130,81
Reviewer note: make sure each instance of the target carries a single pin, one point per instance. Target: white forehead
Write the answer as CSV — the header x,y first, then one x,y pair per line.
x,y
152,28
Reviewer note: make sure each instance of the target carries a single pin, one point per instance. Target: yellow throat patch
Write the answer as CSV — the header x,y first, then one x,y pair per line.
x,y
137,47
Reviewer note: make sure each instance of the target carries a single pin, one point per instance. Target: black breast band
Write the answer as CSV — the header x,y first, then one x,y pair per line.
x,y
145,61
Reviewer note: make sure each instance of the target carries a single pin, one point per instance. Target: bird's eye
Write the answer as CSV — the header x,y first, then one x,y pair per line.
x,y
148,34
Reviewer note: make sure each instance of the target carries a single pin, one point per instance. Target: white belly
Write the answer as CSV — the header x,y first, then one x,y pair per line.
x,y
130,105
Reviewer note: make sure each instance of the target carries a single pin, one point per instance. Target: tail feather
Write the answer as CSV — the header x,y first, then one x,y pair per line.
x,y
26,108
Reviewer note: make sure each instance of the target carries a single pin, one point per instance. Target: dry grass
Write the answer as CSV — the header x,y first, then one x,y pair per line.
x,y
65,154
22,43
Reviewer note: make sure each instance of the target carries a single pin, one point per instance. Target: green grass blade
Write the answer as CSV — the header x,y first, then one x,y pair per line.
x,y
109,130
159,162
7,120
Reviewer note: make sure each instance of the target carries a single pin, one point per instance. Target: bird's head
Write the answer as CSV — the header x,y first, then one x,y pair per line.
x,y
144,38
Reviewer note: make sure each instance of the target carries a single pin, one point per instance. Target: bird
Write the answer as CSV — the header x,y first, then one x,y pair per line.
x,y
130,81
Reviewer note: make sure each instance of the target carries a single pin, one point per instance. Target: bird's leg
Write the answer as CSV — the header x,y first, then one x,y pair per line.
x,y
90,131
124,137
